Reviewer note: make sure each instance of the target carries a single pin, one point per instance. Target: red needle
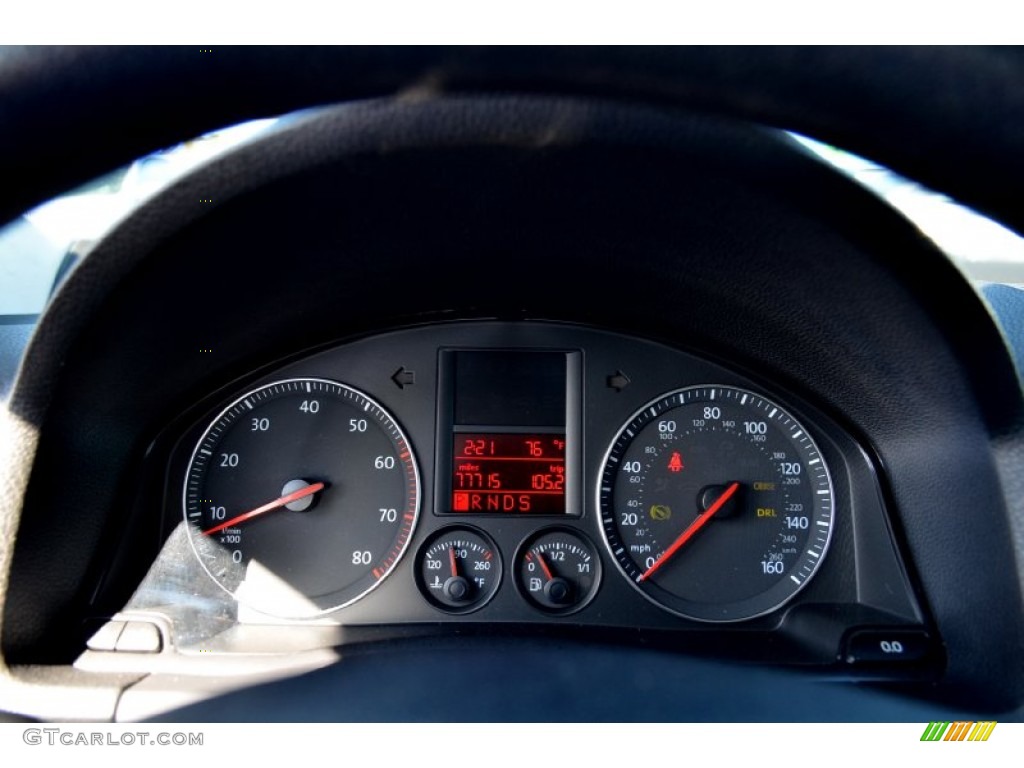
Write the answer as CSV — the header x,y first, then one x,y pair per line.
x,y
544,567
686,535
294,496
451,559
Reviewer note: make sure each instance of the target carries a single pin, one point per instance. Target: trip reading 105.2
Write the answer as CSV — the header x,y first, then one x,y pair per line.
x,y
514,473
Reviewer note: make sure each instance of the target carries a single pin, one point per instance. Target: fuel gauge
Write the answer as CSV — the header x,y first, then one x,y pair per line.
x,y
558,570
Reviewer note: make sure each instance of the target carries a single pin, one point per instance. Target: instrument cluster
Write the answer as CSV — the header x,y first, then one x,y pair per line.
x,y
531,474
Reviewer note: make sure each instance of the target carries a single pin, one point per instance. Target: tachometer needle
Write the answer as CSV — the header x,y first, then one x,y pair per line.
x,y
270,505
686,535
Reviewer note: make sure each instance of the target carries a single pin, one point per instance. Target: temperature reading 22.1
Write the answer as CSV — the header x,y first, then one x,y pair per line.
x,y
503,472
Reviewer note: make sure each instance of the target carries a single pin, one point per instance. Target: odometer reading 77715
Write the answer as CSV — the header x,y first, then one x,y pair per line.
x,y
716,503
508,472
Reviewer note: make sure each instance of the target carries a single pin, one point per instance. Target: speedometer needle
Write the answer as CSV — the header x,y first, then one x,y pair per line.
x,y
686,535
270,505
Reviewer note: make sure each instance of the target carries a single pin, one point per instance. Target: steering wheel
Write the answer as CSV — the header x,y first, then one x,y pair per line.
x,y
959,135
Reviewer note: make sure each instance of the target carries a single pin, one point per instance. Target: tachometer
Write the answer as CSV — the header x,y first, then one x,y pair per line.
x,y
301,497
716,503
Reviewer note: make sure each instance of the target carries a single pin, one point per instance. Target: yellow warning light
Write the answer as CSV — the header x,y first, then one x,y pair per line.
x,y
660,512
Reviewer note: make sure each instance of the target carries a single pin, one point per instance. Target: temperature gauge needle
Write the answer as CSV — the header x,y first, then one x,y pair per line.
x,y
302,493
453,562
686,535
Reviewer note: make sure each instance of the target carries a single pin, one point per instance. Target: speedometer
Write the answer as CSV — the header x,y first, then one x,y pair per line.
x,y
301,496
716,503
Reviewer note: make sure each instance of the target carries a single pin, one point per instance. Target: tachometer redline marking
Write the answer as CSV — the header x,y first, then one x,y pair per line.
x,y
686,535
275,504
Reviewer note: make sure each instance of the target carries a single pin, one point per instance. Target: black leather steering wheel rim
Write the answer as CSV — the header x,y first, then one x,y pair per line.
x,y
949,117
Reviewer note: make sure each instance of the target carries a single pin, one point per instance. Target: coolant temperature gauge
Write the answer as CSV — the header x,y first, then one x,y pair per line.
x,y
459,569
558,571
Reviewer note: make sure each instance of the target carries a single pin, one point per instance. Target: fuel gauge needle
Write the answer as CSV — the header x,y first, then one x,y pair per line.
x,y
544,567
302,493
686,535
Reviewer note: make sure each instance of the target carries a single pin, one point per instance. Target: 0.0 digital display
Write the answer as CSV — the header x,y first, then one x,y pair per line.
x,y
508,472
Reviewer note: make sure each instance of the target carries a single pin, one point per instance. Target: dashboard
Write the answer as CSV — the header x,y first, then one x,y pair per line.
x,y
483,473
518,385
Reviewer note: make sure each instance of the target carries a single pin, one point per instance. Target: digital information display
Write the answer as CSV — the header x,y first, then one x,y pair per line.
x,y
508,432
503,472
